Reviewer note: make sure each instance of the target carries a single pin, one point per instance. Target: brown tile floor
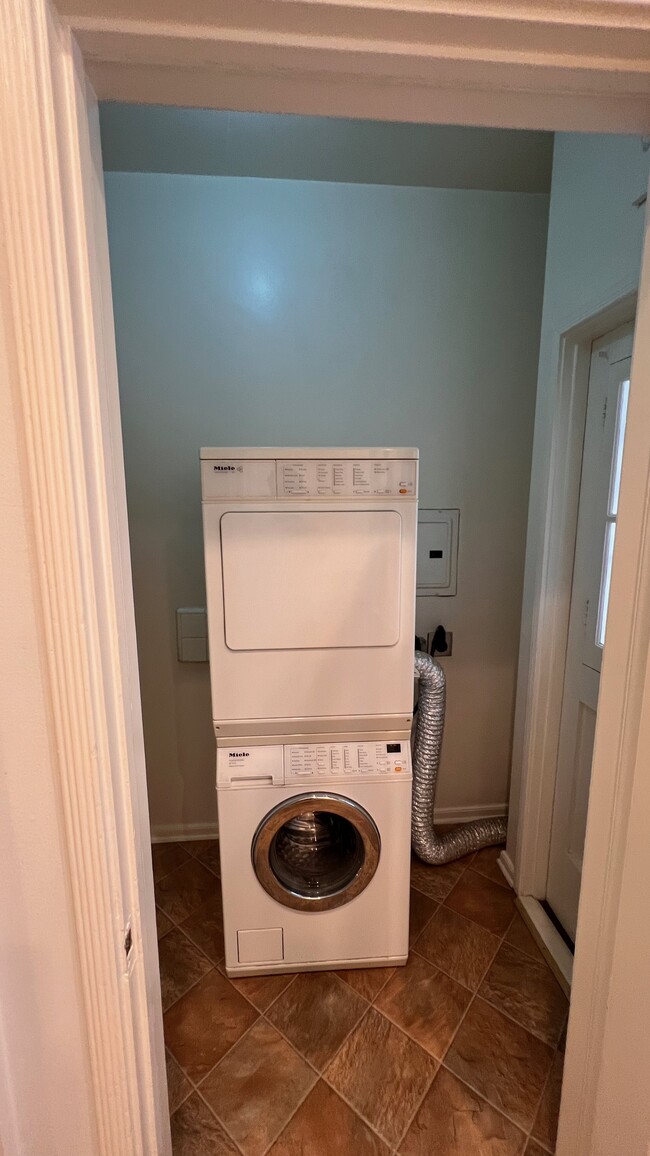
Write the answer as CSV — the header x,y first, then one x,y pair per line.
x,y
456,1054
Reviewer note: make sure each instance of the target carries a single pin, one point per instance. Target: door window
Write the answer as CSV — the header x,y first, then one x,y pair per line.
x,y
612,511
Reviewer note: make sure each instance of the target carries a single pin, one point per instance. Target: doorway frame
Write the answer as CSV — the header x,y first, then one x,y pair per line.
x,y
549,635
56,317
60,324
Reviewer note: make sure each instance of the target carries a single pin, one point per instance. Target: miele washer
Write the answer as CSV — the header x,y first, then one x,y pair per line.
x,y
315,854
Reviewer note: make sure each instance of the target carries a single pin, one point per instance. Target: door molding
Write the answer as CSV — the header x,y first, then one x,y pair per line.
x,y
579,65
583,660
57,311
549,630
595,1101
379,62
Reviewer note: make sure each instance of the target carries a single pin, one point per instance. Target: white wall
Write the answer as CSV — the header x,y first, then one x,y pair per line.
x,y
273,312
595,239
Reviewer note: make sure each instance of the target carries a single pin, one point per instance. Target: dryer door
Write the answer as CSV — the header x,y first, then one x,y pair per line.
x,y
316,851
311,580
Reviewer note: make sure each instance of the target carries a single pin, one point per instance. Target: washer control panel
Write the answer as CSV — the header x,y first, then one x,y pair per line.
x,y
367,760
317,763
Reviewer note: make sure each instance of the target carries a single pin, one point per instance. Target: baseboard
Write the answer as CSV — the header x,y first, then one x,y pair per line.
x,y
507,868
548,939
183,832
443,817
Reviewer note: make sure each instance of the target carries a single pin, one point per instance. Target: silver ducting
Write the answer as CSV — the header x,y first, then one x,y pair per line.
x,y
428,844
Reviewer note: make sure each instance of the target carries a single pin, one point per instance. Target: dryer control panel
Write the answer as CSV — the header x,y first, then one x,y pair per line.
x,y
344,475
317,763
346,479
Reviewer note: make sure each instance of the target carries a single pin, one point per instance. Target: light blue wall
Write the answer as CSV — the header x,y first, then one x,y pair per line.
x,y
595,240
275,312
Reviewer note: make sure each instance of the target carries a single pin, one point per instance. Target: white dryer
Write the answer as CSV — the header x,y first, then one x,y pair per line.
x,y
315,855
310,573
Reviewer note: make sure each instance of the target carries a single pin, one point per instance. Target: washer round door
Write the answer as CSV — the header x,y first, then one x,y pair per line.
x,y
316,852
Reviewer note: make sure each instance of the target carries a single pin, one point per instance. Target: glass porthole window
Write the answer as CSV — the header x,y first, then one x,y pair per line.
x,y
316,852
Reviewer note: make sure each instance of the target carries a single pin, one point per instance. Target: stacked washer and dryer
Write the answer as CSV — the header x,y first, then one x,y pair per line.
x,y
310,567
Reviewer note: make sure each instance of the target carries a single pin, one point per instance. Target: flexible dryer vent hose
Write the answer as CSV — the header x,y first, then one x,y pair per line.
x,y
427,844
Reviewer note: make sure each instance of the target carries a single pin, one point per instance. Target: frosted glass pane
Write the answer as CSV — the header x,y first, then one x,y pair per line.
x,y
619,440
605,581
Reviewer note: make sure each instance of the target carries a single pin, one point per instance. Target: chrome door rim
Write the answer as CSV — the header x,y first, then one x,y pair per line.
x,y
292,808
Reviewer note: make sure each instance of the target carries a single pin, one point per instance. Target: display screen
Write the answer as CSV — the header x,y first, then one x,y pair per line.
x,y
394,748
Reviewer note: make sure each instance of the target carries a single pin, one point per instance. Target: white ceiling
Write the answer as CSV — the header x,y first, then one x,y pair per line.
x,y
154,138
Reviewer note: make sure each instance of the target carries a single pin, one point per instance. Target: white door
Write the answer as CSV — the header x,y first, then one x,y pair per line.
x,y
596,532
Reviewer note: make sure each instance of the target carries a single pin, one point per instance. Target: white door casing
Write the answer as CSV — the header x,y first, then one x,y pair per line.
x,y
574,66
599,486
603,1108
58,311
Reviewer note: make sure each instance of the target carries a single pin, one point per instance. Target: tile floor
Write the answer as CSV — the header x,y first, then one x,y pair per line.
x,y
459,1053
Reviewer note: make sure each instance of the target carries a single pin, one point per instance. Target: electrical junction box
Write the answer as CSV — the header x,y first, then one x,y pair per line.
x,y
437,552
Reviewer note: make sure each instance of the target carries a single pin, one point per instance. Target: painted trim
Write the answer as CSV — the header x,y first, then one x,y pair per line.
x,y
621,758
445,815
506,866
540,685
46,170
113,595
548,939
183,832
572,66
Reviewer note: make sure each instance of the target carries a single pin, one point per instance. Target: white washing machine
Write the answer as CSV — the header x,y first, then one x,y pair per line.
x,y
315,855
310,572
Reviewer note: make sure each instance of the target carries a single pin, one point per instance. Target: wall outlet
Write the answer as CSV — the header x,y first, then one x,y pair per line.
x,y
449,635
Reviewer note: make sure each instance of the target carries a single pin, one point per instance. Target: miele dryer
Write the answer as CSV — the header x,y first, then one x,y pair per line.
x,y
310,571
315,855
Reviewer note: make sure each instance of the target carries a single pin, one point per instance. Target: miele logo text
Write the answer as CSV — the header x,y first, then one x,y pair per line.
x,y
226,469
240,754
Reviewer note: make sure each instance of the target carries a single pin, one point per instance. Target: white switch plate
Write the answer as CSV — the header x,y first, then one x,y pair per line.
x,y
437,554
192,634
